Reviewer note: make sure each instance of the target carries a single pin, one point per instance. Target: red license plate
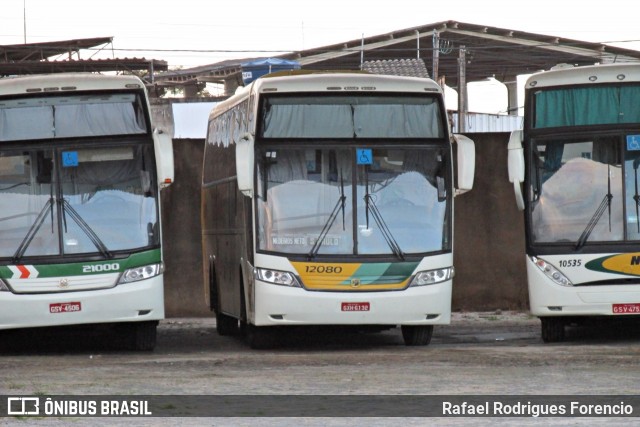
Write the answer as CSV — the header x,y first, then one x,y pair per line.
x,y
626,308
356,306
65,307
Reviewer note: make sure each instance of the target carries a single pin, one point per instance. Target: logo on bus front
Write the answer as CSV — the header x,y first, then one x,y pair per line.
x,y
628,264
357,276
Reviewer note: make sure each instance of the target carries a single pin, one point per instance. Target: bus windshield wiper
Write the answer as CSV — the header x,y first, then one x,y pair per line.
x,y
332,218
538,179
33,230
382,225
99,244
606,203
66,207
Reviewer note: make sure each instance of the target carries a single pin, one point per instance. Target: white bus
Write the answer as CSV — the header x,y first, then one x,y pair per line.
x,y
575,172
327,199
81,166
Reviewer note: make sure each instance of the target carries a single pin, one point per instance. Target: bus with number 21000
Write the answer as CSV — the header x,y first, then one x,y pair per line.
x,y
81,168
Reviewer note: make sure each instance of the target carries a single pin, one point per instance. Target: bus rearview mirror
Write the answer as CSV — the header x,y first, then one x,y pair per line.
x,y
515,164
466,163
244,164
164,156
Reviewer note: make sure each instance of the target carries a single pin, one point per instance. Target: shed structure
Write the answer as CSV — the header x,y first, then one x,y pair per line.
x,y
453,52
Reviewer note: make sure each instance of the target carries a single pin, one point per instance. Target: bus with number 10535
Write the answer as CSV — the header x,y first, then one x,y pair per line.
x,y
574,167
81,168
327,199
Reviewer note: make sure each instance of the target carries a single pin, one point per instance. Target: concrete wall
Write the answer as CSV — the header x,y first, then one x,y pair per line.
x,y
184,295
488,242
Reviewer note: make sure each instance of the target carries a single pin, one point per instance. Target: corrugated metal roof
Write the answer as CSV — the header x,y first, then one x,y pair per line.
x,y
43,50
88,65
36,58
397,67
482,123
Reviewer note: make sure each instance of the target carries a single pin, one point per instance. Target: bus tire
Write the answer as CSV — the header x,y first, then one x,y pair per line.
x,y
142,335
260,337
552,329
415,335
226,325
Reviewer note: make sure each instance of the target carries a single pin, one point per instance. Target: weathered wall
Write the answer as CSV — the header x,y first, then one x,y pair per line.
x,y
184,295
489,235
489,241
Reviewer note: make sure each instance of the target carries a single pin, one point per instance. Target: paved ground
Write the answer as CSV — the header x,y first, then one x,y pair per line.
x,y
478,354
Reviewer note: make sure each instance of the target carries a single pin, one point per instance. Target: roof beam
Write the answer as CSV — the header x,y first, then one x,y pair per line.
x,y
312,59
553,46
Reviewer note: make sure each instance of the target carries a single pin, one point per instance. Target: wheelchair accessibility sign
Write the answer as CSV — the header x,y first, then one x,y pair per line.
x,y
633,142
364,156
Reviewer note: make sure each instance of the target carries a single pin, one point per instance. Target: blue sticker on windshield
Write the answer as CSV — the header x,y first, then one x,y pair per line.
x,y
69,159
633,142
364,156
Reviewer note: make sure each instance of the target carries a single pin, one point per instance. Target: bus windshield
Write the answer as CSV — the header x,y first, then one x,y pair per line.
x,y
584,190
343,201
62,201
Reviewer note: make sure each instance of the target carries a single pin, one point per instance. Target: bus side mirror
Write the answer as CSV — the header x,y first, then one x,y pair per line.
x,y
164,154
515,165
466,163
244,164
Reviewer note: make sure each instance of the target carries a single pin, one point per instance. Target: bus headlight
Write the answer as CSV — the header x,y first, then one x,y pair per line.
x,y
551,272
277,277
431,277
141,273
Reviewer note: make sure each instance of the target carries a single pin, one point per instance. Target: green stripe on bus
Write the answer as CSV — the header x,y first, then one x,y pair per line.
x,y
90,267
386,272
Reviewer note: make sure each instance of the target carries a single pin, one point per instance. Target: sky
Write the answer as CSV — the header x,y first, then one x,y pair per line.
x,y
189,33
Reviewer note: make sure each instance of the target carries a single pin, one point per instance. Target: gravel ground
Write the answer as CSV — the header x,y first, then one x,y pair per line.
x,y
497,353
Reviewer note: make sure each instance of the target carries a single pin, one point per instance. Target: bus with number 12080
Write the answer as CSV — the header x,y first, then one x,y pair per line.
x,y
327,199
81,168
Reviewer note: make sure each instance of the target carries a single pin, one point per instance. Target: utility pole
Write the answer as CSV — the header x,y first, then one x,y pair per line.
x,y
462,90
435,55
24,19
362,51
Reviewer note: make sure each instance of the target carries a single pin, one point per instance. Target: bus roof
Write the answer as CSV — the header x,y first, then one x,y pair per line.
x,y
332,82
588,75
63,82
343,81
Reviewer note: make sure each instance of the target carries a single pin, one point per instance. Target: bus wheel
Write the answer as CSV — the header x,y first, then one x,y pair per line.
x,y
141,336
226,325
260,337
552,329
417,334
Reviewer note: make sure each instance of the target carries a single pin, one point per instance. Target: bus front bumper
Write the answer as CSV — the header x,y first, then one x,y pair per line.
x,y
422,305
547,298
131,302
